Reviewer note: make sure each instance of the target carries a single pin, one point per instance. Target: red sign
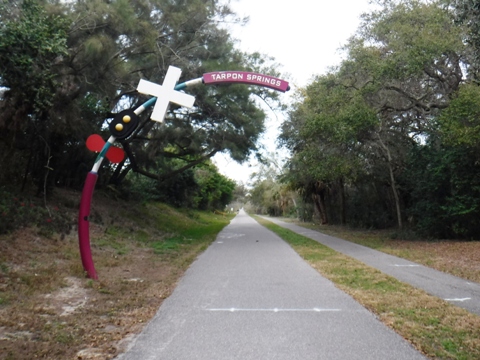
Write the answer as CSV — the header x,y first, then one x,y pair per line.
x,y
242,77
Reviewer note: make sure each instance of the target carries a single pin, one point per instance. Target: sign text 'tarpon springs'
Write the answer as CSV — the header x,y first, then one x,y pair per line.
x,y
241,77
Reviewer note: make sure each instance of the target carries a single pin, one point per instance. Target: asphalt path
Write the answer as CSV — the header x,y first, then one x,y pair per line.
x,y
457,291
250,296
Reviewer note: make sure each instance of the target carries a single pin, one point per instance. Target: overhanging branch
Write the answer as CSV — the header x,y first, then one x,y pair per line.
x,y
164,177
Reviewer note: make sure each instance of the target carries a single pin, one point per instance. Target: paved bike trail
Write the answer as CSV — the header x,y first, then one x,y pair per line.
x,y
250,296
460,292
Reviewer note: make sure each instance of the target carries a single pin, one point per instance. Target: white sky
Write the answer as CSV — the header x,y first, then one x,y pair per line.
x,y
304,37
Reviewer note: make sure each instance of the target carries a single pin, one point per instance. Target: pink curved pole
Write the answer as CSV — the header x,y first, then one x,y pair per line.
x,y
85,203
83,225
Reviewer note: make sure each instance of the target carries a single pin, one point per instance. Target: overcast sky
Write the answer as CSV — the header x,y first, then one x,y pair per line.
x,y
304,36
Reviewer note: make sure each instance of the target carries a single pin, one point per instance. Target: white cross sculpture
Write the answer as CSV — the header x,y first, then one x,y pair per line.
x,y
165,93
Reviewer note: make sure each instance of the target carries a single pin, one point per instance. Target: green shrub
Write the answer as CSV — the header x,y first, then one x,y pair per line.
x,y
20,211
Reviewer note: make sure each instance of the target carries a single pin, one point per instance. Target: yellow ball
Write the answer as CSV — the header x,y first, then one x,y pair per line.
x,y
119,127
126,119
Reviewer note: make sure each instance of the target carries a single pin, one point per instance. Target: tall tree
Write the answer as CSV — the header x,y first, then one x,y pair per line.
x,y
444,190
32,44
413,59
327,133
467,14
460,122
110,46
400,71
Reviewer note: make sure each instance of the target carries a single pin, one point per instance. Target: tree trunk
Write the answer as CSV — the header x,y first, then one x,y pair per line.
x,y
296,208
343,209
395,195
321,198
393,183
319,201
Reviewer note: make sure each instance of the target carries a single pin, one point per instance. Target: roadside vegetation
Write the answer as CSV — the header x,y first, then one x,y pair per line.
x,y
436,328
387,139
457,257
49,309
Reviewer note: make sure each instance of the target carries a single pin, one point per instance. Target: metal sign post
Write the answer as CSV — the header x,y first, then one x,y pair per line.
x,y
124,123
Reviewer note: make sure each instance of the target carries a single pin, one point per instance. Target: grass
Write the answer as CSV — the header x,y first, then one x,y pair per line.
x,y
434,327
139,250
459,258
167,231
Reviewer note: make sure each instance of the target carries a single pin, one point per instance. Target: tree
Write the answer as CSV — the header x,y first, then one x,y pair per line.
x,y
361,119
99,53
467,15
444,190
414,66
215,190
460,122
327,132
31,46
269,195
143,42
201,188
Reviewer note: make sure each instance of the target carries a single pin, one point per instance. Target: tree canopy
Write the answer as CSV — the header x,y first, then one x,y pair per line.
x,y
370,138
78,63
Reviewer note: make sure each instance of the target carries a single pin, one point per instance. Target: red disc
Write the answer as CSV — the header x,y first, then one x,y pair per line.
x,y
95,143
115,154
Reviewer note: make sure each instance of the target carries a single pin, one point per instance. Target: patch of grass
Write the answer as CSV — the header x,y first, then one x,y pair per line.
x,y
169,245
3,300
114,243
134,278
64,337
142,236
115,238
23,211
459,258
191,228
433,326
114,231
